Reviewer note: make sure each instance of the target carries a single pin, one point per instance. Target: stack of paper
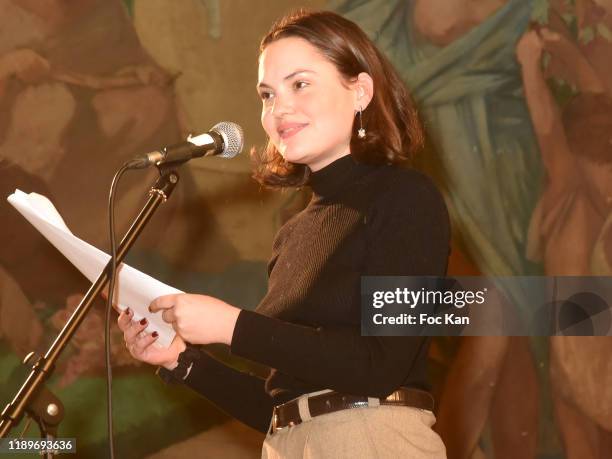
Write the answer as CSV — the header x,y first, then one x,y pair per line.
x,y
134,288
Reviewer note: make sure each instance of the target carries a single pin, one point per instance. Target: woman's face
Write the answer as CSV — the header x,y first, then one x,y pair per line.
x,y
308,108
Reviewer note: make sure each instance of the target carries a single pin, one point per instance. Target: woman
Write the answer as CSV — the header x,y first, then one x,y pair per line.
x,y
338,119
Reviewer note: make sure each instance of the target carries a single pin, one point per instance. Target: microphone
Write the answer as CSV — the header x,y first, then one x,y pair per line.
x,y
225,140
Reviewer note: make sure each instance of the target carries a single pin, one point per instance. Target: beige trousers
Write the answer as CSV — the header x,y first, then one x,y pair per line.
x,y
370,432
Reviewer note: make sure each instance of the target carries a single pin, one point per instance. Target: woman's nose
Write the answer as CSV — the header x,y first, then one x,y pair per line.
x,y
282,105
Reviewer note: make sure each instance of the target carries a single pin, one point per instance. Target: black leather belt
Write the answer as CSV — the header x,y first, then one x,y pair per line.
x,y
288,414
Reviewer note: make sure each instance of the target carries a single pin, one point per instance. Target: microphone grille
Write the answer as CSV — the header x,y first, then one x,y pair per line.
x,y
233,138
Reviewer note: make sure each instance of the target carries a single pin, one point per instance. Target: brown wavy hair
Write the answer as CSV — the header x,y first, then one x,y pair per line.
x,y
394,133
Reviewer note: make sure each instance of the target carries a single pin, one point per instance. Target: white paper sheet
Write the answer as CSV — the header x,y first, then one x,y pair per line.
x,y
134,288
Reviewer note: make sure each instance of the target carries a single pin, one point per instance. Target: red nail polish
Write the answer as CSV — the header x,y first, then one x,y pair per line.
x,y
154,334
143,321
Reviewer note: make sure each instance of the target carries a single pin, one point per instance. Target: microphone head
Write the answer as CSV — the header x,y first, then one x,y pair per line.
x,y
233,138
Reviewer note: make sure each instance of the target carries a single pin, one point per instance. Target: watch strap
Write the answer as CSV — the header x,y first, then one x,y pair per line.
x,y
186,361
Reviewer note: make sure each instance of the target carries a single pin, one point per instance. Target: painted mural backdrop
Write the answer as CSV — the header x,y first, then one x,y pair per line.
x,y
516,97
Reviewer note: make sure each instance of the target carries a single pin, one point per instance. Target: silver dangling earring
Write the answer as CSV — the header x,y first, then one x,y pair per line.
x,y
361,133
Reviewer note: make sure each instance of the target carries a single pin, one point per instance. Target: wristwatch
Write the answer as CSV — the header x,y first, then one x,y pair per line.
x,y
186,360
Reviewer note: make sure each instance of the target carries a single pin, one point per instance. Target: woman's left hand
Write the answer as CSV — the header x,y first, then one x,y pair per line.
x,y
198,319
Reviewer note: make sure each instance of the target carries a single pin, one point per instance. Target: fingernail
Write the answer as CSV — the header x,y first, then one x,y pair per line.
x,y
154,334
143,321
128,311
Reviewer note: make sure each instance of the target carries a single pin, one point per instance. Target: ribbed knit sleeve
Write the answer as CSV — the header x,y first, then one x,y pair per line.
x,y
336,358
241,395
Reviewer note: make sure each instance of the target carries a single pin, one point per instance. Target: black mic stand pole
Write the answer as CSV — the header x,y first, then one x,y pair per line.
x,y
33,397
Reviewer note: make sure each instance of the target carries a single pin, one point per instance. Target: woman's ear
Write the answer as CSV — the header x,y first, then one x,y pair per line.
x,y
364,91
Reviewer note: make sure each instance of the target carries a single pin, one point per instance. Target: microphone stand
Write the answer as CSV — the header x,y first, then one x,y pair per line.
x,y
33,397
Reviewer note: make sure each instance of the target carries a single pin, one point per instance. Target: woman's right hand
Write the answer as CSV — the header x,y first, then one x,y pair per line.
x,y
141,344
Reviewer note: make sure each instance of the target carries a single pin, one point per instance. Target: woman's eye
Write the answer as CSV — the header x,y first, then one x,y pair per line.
x,y
264,95
300,84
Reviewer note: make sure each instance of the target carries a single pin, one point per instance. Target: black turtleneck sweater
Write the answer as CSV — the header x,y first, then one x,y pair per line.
x,y
362,220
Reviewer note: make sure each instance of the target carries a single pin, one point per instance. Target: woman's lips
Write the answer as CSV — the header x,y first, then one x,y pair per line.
x,y
288,130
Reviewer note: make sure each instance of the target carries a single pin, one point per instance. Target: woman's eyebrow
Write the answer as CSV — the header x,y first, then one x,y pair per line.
x,y
288,77
292,74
